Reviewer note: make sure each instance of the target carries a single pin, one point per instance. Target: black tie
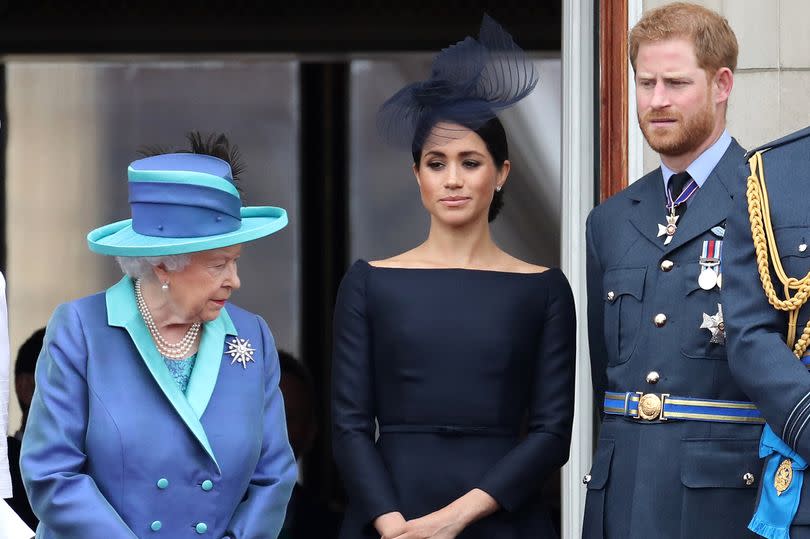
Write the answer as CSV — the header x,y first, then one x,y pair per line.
x,y
676,185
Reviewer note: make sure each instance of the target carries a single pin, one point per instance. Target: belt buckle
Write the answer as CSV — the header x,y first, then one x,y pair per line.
x,y
651,406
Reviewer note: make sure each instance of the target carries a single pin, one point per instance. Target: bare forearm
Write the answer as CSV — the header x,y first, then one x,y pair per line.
x,y
473,506
447,522
389,524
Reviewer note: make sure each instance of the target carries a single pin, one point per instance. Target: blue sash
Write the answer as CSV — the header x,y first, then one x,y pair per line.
x,y
775,511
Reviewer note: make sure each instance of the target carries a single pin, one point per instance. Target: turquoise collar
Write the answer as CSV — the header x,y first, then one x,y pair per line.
x,y
122,311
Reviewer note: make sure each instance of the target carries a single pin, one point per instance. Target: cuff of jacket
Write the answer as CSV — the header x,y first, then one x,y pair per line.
x,y
508,498
374,513
796,423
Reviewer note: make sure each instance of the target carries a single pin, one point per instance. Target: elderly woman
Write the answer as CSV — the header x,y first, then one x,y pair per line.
x,y
157,409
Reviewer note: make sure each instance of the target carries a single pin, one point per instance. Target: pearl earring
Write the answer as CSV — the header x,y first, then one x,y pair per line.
x,y
165,286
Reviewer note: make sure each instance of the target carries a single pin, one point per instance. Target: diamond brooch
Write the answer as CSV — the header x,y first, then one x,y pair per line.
x,y
240,351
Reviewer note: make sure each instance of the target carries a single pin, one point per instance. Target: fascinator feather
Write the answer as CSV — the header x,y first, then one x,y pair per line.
x,y
469,83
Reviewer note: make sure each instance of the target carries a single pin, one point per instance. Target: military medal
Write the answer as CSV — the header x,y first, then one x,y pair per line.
x,y
710,264
707,279
714,323
720,266
240,351
783,476
671,227
718,247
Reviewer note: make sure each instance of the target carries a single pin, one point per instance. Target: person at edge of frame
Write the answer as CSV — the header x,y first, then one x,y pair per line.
x,y
768,331
157,410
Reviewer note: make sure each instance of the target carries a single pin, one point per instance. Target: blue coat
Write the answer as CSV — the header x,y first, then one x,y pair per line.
x,y
672,478
113,449
777,382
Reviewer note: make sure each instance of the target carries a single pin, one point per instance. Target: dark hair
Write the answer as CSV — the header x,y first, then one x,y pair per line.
x,y
213,144
29,352
292,366
494,136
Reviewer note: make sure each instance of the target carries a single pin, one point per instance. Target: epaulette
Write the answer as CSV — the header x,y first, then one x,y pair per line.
x,y
801,133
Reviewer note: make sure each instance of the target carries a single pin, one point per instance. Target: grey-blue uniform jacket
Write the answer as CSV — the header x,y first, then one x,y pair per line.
x,y
764,367
673,478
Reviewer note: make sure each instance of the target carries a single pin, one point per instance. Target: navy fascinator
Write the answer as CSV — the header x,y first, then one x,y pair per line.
x,y
469,82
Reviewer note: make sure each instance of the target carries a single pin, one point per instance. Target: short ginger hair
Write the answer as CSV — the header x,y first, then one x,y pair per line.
x,y
714,41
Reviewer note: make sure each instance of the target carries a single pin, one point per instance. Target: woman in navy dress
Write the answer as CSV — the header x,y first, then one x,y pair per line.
x,y
460,354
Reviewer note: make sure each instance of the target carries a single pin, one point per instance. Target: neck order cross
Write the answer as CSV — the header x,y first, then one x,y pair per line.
x,y
671,227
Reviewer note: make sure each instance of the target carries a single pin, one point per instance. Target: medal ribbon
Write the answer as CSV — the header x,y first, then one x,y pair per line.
x,y
712,250
718,255
685,195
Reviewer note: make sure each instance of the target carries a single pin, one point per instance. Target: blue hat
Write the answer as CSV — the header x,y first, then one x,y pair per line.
x,y
183,203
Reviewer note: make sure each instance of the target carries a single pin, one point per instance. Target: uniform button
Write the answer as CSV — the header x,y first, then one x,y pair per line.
x,y
201,528
748,478
611,295
207,485
162,483
156,525
667,265
586,479
660,320
653,377
802,247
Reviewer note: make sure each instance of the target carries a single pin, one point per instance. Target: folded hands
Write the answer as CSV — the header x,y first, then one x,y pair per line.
x,y
446,523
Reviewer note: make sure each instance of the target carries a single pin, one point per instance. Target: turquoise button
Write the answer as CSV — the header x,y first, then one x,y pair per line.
x,y
162,483
156,525
201,528
207,485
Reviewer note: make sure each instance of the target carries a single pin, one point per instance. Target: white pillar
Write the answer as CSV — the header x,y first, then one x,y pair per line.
x,y
635,140
579,34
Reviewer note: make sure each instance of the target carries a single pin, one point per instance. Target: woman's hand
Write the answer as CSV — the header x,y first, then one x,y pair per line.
x,y
390,525
449,521
445,523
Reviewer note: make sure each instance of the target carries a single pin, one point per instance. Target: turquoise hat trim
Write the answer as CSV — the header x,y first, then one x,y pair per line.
x,y
119,239
188,177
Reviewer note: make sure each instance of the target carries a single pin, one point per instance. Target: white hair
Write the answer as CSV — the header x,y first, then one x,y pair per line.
x,y
139,267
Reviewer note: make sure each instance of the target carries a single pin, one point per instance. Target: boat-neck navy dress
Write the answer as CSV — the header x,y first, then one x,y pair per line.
x,y
469,376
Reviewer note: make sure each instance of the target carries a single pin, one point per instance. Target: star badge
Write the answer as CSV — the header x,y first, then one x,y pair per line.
x,y
240,351
668,230
716,326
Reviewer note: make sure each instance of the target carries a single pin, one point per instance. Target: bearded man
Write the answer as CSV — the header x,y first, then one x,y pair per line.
x,y
677,450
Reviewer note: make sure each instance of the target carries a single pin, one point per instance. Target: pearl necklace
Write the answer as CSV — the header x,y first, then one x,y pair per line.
x,y
177,350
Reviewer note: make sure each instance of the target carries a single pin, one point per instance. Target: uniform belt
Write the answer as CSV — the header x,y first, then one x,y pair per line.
x,y
663,407
458,430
